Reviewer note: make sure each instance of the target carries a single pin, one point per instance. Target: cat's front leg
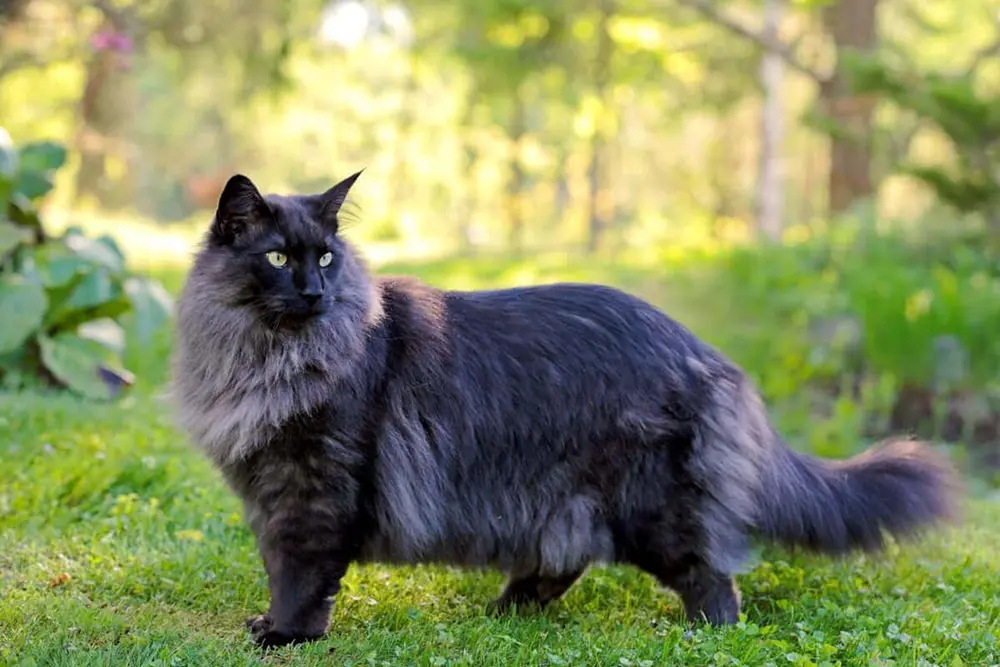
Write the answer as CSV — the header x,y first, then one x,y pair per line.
x,y
303,584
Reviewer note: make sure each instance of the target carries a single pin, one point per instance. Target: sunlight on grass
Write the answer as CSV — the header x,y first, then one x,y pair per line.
x,y
122,546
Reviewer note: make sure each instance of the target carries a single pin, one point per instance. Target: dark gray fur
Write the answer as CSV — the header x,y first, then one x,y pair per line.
x,y
535,430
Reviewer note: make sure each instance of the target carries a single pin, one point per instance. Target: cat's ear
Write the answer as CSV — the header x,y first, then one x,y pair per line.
x,y
333,199
241,205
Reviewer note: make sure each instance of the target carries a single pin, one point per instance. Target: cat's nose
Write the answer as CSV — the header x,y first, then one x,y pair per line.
x,y
311,296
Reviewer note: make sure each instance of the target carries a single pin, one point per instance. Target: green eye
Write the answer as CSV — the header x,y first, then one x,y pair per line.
x,y
277,259
325,260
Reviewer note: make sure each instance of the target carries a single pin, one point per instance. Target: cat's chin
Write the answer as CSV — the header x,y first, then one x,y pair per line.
x,y
295,320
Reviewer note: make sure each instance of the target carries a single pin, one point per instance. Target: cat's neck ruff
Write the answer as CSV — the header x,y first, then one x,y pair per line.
x,y
236,381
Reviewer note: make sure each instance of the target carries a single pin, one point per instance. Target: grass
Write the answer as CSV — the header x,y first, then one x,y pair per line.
x,y
119,545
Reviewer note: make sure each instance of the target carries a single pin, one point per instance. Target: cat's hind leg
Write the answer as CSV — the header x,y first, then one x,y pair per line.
x,y
673,557
707,594
533,590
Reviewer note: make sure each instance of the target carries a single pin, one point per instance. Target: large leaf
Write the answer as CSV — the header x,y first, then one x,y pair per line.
x,y
108,242
97,296
22,308
22,211
34,184
57,266
105,331
70,320
42,156
96,288
151,306
11,236
84,366
38,162
102,251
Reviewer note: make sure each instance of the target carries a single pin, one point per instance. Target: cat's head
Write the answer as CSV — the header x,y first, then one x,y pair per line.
x,y
279,257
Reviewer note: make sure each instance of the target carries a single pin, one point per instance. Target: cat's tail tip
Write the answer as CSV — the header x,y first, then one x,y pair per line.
x,y
900,486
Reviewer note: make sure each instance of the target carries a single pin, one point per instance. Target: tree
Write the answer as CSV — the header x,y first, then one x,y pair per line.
x,y
966,116
852,26
506,46
770,193
599,205
248,41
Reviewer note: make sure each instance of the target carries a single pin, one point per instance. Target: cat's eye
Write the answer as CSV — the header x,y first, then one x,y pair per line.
x,y
277,259
324,261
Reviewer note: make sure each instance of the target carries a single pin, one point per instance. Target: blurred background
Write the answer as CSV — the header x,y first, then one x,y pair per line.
x,y
813,186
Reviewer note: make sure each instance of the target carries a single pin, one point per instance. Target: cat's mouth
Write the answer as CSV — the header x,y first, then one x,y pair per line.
x,y
298,315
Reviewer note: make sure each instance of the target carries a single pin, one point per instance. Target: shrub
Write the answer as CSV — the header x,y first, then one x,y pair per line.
x,y
62,299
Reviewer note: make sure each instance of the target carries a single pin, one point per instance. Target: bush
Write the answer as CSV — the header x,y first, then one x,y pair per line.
x,y
878,331
63,300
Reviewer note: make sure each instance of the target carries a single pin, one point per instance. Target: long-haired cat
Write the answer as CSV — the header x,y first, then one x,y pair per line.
x,y
534,430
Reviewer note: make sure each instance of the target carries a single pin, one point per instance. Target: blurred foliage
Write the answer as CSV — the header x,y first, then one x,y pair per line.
x,y
426,94
62,300
866,331
959,110
474,115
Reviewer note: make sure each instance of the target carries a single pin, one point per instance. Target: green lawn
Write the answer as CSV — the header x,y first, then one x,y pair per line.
x,y
119,545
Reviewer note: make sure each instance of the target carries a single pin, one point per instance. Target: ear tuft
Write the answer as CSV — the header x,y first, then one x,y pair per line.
x,y
240,205
333,199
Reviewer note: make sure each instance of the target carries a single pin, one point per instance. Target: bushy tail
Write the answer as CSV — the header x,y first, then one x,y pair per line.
x,y
896,487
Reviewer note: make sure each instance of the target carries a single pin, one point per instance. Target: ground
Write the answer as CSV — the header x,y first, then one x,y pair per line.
x,y
120,545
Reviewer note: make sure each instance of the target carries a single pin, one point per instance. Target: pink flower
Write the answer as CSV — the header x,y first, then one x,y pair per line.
x,y
110,39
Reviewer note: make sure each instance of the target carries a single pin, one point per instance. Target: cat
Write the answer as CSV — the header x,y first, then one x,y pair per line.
x,y
534,430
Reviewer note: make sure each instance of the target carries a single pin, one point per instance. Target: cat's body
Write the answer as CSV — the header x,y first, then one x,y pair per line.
x,y
534,430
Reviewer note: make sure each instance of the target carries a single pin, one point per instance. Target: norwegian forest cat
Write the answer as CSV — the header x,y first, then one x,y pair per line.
x,y
533,430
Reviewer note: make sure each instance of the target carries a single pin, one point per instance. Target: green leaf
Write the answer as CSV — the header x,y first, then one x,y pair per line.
x,y
22,211
84,366
106,332
95,297
108,242
22,308
42,156
33,184
96,288
151,306
38,162
58,267
11,236
69,319
102,251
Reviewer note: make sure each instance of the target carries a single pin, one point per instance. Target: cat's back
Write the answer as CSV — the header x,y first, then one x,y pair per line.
x,y
542,351
571,319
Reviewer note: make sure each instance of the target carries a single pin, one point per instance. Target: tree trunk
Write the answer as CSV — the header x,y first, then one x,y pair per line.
x,y
598,204
404,124
770,187
561,201
467,198
853,26
105,111
515,183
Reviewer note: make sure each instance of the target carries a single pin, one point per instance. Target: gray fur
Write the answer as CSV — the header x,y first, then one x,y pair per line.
x,y
534,430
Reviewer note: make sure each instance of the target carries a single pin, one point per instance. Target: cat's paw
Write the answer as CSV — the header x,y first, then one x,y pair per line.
x,y
259,623
265,636
272,639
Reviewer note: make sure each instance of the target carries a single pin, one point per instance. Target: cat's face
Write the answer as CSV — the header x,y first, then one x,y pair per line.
x,y
279,257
